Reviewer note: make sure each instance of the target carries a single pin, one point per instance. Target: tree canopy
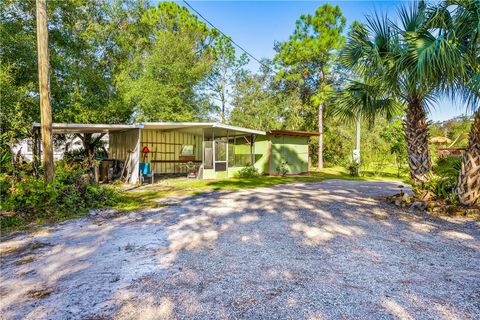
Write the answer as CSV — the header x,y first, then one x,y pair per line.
x,y
306,61
124,61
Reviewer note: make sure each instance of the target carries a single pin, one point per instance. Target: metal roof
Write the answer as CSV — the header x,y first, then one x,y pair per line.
x,y
88,128
293,133
105,128
179,125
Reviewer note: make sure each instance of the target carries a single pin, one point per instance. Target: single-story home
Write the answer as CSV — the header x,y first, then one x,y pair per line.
x,y
210,150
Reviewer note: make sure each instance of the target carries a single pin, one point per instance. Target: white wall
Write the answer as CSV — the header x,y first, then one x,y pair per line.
x,y
26,150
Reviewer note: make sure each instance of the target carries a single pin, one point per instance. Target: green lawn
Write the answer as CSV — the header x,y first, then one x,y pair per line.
x,y
147,195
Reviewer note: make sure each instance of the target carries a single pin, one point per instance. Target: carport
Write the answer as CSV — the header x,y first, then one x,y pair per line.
x,y
123,141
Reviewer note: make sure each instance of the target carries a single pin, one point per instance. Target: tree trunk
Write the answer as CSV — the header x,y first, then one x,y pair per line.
x,y
468,188
320,137
44,89
416,134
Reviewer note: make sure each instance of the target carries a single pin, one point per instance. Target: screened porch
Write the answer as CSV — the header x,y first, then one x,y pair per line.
x,y
200,150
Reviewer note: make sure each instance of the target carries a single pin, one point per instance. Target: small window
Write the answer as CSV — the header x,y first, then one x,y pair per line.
x,y
187,150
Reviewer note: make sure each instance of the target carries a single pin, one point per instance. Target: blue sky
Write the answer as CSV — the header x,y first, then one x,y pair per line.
x,y
256,25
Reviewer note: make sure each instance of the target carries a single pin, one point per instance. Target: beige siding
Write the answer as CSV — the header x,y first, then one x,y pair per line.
x,y
123,143
166,146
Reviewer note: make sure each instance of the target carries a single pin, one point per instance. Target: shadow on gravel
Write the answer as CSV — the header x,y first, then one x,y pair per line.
x,y
328,250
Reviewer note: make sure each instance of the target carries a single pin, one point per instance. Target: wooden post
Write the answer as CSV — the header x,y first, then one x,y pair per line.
x,y
44,88
36,150
252,156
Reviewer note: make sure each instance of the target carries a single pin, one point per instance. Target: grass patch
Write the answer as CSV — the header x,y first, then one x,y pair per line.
x,y
147,196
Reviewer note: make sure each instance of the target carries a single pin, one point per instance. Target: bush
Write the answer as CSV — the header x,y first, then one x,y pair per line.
x,y
448,166
443,179
76,155
353,169
248,172
282,169
71,194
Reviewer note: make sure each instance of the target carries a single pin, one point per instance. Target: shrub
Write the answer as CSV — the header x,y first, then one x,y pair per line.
x,y
442,187
76,155
443,179
448,166
282,169
72,193
248,172
353,169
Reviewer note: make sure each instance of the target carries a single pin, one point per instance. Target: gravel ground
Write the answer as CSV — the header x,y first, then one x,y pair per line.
x,y
325,250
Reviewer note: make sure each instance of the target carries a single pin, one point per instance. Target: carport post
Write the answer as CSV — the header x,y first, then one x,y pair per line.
x,y
135,161
252,137
213,148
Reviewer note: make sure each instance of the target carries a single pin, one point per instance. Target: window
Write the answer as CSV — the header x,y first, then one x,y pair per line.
x,y
231,153
242,152
220,150
220,155
188,150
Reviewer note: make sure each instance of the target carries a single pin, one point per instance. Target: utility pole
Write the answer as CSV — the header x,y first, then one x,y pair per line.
x,y
320,137
356,152
44,88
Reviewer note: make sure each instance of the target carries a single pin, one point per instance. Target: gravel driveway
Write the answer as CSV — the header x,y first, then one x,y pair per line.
x,y
325,250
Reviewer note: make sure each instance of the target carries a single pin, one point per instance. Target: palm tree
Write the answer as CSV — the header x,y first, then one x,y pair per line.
x,y
459,20
468,187
359,100
408,58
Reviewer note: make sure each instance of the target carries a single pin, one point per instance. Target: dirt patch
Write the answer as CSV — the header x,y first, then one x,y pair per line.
x,y
329,250
24,261
39,293
24,249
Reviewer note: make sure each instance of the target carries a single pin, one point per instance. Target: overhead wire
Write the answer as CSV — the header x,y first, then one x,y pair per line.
x,y
228,37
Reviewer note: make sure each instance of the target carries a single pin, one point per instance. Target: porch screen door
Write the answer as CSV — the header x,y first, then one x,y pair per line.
x,y
221,155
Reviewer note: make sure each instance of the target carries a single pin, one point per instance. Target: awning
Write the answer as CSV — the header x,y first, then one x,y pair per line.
x,y
293,133
70,128
220,129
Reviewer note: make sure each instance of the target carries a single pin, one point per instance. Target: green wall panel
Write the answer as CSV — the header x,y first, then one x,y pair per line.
x,y
291,149
261,154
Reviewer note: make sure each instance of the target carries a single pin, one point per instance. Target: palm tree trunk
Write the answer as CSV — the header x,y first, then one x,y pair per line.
x,y
416,134
468,188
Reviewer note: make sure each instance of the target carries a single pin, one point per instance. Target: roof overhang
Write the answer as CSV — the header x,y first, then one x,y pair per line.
x,y
194,127
199,125
293,133
70,128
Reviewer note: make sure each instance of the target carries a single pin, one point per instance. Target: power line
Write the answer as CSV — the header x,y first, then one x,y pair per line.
x,y
229,38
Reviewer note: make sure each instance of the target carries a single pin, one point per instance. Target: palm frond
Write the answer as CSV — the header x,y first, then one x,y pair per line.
x,y
360,100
